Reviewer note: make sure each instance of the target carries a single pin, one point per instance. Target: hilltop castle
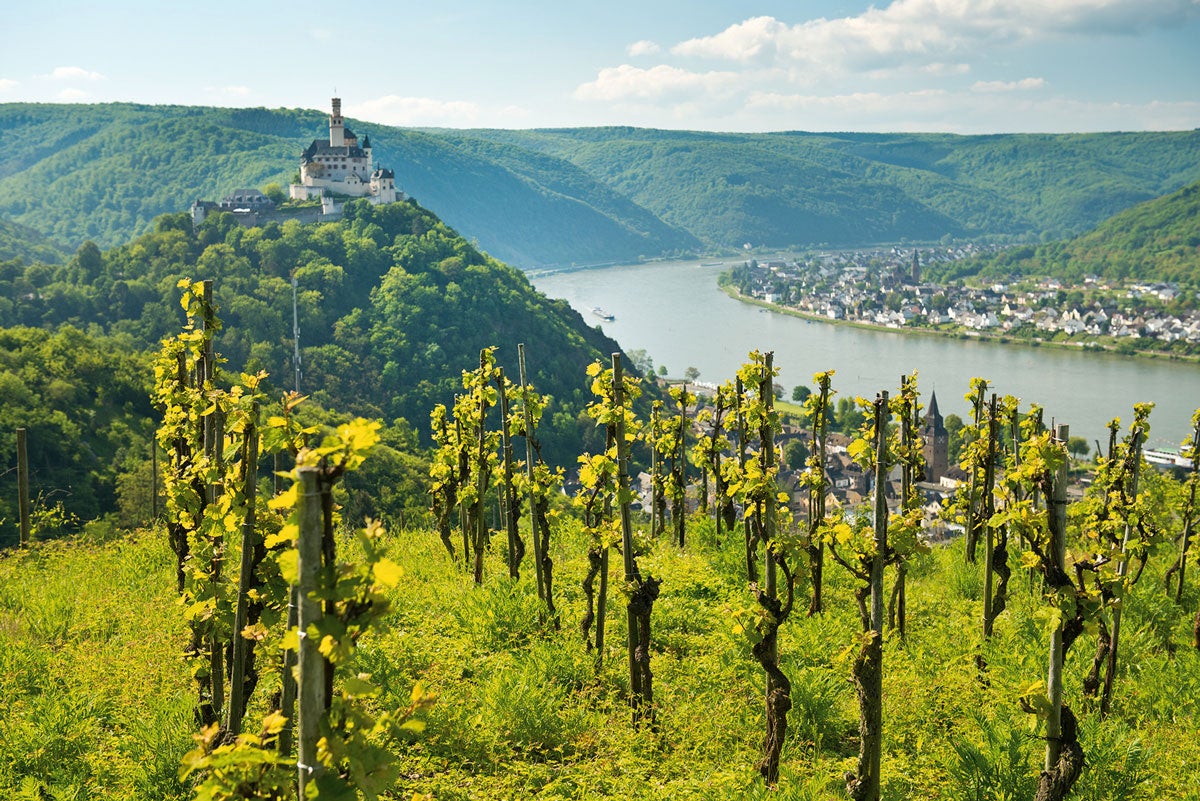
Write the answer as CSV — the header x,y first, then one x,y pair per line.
x,y
340,166
334,170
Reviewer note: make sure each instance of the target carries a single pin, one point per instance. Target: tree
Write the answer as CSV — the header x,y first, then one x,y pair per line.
x,y
800,393
641,361
1078,446
691,374
795,453
275,192
662,370
954,431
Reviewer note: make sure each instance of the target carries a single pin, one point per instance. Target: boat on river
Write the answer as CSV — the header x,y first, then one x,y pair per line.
x,y
602,314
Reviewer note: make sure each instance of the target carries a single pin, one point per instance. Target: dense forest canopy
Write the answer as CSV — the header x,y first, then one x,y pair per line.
x,y
105,172
392,305
1158,240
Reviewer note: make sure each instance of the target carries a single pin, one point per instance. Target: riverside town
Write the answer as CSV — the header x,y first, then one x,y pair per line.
x,y
886,288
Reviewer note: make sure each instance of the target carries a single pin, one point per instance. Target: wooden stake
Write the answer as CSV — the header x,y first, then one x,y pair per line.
x,y
250,538
312,666
1058,550
23,485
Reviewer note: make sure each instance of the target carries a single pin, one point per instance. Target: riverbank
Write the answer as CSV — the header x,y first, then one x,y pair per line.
x,y
960,333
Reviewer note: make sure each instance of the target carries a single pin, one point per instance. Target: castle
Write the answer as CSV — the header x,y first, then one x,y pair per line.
x,y
340,166
335,170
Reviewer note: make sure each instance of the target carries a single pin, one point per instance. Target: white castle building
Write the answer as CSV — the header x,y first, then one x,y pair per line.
x,y
341,166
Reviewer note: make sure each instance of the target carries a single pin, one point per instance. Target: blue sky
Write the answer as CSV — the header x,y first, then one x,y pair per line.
x,y
964,66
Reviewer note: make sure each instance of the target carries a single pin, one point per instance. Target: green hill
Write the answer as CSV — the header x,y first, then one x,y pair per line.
x,y
19,242
1158,240
588,195
105,172
393,306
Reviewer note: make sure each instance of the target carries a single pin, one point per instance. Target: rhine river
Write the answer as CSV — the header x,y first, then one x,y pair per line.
x,y
680,317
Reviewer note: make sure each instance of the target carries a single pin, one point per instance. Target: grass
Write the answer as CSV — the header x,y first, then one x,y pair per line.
x,y
97,702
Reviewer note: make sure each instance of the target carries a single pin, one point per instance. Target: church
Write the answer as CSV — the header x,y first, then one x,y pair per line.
x,y
340,165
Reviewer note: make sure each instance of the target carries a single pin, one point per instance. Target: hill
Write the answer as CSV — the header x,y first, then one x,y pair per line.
x,y
539,197
1158,240
105,172
393,306
26,244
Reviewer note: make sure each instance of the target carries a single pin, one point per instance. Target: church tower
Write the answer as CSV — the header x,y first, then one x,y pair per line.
x,y
937,443
337,126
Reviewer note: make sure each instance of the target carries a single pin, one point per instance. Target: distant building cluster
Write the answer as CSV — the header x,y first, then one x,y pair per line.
x,y
333,170
884,288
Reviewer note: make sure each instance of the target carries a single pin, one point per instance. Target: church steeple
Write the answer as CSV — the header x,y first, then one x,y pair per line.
x,y
937,442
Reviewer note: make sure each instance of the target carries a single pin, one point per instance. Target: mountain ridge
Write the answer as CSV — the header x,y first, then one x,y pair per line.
x,y
558,196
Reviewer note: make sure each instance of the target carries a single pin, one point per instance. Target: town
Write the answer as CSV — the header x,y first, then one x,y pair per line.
x,y
884,288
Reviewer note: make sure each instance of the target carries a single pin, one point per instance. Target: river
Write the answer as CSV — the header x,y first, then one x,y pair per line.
x,y
678,315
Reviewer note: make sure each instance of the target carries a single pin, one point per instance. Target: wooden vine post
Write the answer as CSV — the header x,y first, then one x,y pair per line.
x,y
1058,550
251,543
23,485
870,677
312,699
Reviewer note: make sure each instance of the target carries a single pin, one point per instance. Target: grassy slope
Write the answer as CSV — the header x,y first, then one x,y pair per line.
x,y
520,711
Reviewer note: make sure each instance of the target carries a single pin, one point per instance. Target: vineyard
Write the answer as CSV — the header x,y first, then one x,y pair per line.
x,y
258,643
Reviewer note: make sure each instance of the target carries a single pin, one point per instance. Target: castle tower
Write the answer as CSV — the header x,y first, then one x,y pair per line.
x,y
937,443
337,126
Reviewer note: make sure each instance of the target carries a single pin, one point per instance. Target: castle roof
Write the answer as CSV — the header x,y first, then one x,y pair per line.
x,y
383,172
321,147
366,141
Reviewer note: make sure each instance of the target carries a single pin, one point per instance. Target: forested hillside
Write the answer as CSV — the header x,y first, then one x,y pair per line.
x,y
540,197
19,242
1158,240
393,306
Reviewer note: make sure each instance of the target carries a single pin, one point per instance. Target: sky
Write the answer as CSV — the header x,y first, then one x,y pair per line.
x,y
961,66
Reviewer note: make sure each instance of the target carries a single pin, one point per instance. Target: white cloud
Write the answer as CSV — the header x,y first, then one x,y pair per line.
x,y
939,68
923,33
901,65
643,47
417,111
321,34
662,82
73,74
1025,84
745,41
72,95
8,84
